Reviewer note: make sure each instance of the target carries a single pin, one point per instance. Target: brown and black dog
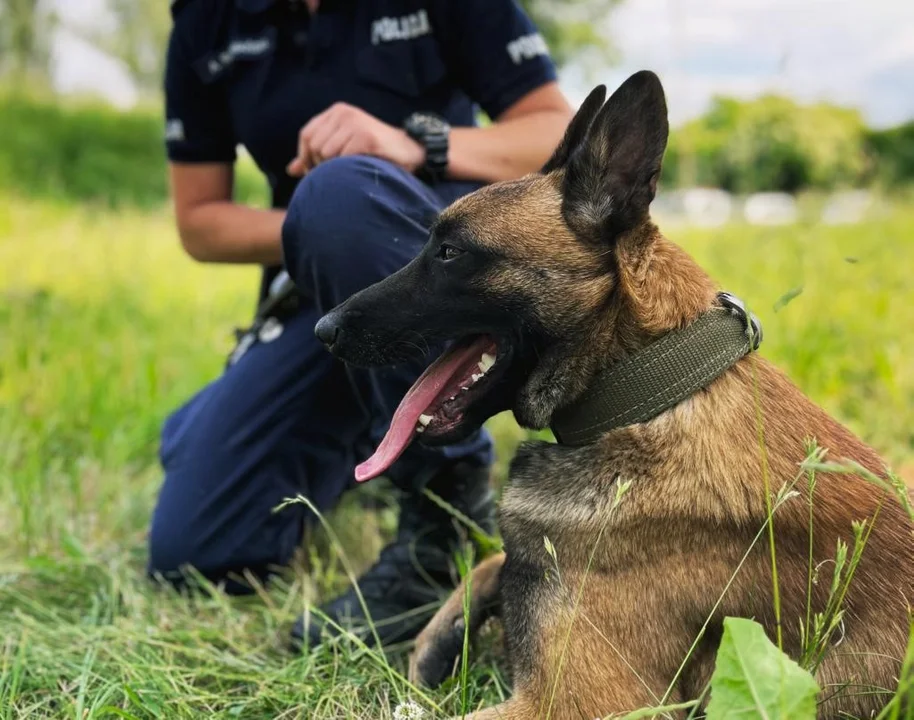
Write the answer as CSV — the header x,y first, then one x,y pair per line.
x,y
542,283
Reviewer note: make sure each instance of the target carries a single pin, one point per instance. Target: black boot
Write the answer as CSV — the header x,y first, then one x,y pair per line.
x,y
404,587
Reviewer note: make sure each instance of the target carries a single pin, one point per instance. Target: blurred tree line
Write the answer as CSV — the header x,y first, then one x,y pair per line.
x,y
775,143
26,30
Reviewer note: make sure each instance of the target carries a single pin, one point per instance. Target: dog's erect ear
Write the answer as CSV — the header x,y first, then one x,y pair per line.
x,y
577,129
612,178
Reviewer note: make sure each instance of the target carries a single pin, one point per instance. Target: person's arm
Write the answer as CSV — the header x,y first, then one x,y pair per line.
x,y
200,143
215,229
499,58
520,140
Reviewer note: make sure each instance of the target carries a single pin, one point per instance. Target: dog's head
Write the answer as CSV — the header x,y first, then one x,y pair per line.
x,y
539,282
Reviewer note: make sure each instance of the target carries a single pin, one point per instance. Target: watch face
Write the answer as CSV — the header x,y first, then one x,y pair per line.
x,y
432,132
428,123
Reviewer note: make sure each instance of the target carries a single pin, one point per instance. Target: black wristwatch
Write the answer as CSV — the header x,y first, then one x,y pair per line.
x,y
433,133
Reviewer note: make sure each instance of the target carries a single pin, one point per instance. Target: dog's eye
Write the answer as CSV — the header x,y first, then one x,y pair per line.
x,y
449,252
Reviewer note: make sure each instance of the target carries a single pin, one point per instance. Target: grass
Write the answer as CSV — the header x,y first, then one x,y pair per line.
x,y
105,326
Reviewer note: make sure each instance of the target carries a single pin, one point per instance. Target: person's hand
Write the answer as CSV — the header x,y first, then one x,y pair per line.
x,y
346,130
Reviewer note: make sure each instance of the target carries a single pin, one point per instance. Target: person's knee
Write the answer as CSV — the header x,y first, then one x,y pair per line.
x,y
324,216
340,182
345,223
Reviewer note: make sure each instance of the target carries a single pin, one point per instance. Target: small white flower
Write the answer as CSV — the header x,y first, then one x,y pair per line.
x,y
408,711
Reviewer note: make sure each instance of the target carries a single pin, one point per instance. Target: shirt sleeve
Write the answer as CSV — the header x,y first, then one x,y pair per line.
x,y
497,52
198,126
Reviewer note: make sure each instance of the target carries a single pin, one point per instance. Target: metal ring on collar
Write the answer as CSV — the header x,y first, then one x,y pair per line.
x,y
738,308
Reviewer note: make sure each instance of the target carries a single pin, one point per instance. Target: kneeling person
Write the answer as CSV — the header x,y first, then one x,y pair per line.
x,y
362,117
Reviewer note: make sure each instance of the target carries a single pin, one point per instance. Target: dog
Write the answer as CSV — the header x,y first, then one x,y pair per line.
x,y
628,541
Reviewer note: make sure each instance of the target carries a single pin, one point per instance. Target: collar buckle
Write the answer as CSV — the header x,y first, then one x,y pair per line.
x,y
737,307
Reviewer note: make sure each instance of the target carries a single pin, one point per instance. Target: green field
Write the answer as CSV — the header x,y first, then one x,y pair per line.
x,y
105,326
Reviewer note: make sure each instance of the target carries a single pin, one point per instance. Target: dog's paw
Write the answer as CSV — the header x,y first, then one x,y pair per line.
x,y
437,652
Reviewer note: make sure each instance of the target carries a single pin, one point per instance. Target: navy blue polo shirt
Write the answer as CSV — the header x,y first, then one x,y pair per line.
x,y
253,72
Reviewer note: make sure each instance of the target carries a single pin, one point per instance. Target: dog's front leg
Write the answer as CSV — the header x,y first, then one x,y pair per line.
x,y
440,643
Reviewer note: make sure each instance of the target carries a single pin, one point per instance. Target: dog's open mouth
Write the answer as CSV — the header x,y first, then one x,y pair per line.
x,y
436,404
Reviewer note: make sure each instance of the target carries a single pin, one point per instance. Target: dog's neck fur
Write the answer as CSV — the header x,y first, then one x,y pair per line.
x,y
646,371
638,310
653,270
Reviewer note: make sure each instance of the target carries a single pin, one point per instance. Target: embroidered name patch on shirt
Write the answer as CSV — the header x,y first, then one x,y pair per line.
x,y
387,29
527,47
242,48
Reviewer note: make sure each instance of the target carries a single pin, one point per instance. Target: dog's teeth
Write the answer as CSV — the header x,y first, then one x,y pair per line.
x,y
464,388
482,368
420,428
476,377
424,420
487,362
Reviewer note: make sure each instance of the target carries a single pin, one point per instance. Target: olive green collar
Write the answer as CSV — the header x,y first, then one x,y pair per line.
x,y
663,374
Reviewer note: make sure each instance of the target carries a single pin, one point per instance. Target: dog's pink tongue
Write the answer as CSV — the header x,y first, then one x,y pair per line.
x,y
428,388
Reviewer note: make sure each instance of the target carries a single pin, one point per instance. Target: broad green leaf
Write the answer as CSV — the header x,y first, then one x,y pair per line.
x,y
753,679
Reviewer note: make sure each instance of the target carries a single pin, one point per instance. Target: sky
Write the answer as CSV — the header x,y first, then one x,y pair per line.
x,y
851,52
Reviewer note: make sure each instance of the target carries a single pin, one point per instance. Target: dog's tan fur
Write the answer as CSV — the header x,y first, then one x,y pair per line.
x,y
654,566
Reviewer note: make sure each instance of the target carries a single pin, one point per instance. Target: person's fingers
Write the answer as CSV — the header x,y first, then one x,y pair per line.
x,y
318,139
354,146
330,134
302,163
333,145
295,168
306,149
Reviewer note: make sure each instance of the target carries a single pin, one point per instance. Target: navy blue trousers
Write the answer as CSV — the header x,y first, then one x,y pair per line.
x,y
289,418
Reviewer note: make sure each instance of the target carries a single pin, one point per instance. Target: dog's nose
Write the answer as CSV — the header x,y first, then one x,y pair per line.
x,y
328,329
